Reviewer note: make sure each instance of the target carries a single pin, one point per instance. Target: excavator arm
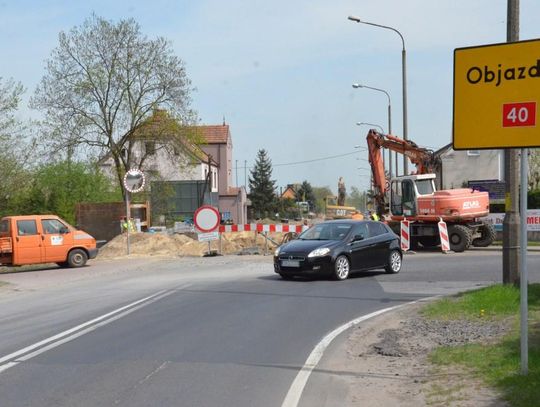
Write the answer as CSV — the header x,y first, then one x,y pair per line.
x,y
425,160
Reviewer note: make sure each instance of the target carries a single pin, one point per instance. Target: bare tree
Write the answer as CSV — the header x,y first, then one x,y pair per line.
x,y
103,83
10,97
13,143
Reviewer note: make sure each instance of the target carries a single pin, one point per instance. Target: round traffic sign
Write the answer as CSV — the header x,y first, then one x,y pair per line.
x,y
206,218
134,180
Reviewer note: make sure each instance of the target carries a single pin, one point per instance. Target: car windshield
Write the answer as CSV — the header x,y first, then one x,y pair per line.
x,y
326,231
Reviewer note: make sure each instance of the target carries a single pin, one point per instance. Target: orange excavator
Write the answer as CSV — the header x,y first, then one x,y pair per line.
x,y
415,198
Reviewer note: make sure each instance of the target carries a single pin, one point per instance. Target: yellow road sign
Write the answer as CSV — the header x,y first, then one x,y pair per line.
x,y
497,96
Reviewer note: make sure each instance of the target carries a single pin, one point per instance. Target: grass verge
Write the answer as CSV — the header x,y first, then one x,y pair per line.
x,y
529,243
496,364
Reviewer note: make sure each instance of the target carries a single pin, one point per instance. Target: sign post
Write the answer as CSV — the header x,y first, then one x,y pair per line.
x,y
133,182
207,219
496,101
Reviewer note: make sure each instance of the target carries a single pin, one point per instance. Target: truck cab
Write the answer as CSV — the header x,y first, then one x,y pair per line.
x,y
35,239
405,191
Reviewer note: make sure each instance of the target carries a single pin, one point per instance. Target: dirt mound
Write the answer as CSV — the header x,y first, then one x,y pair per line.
x,y
163,244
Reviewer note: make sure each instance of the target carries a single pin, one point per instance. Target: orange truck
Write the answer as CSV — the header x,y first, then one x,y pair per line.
x,y
35,239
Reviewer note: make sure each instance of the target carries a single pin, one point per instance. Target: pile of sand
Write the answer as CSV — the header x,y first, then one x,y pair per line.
x,y
163,244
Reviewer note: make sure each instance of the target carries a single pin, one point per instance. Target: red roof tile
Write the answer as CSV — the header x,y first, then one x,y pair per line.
x,y
216,134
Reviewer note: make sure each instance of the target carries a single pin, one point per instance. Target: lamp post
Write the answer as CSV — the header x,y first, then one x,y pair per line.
x,y
370,124
357,86
389,151
366,169
404,80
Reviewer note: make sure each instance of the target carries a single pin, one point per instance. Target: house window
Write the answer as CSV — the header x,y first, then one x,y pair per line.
x,y
473,153
150,147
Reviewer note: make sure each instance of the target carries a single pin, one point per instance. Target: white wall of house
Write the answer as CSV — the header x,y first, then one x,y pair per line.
x,y
165,167
458,167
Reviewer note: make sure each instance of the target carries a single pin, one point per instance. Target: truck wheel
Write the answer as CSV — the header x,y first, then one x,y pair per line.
x,y
77,258
460,238
487,236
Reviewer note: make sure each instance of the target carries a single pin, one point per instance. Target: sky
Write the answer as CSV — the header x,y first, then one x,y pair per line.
x,y
280,72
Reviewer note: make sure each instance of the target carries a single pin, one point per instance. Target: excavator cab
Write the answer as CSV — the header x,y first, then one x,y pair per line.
x,y
404,193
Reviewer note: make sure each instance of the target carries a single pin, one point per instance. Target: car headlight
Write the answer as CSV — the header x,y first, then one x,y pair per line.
x,y
323,251
276,253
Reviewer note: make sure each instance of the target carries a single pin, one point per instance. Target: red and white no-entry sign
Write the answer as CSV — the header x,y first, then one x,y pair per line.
x,y
206,218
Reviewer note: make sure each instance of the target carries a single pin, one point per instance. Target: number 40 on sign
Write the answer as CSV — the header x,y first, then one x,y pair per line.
x,y
519,114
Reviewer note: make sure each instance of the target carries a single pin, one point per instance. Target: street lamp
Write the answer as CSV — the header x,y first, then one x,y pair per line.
x,y
358,85
404,80
389,151
370,124
366,169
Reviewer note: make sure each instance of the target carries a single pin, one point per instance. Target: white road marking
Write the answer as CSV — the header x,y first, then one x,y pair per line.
x,y
54,341
297,387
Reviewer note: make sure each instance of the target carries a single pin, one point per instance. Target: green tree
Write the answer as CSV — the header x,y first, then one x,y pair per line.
x,y
357,199
304,193
261,186
320,193
57,188
103,83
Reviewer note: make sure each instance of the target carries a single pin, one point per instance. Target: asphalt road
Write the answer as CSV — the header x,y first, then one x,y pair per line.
x,y
194,332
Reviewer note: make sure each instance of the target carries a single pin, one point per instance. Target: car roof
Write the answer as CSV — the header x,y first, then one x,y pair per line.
x,y
346,221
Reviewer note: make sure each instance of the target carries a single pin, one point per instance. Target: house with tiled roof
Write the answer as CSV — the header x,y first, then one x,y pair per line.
x,y
160,149
173,160
217,143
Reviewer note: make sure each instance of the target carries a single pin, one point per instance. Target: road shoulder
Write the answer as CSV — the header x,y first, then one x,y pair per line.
x,y
387,361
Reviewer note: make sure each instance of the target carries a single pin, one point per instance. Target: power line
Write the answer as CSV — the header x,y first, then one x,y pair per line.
x,y
314,160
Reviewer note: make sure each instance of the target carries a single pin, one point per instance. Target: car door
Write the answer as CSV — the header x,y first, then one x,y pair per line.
x,y
380,243
28,247
360,250
57,240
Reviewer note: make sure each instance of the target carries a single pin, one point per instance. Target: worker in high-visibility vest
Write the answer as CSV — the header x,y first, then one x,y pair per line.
x,y
373,215
128,224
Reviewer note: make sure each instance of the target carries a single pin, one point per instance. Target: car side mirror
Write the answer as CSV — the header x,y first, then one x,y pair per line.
x,y
358,237
63,230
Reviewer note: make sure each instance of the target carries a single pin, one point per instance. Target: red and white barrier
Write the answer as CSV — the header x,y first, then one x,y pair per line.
x,y
405,235
443,234
259,227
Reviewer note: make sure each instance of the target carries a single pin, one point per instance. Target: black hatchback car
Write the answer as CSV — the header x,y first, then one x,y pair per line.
x,y
336,248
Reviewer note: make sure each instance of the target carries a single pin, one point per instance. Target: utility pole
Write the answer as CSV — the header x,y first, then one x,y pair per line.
x,y
511,178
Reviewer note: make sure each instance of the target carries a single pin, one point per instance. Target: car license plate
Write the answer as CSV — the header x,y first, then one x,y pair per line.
x,y
290,263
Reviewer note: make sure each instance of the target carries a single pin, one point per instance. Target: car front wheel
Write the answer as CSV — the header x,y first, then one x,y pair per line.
x,y
394,262
342,268
77,258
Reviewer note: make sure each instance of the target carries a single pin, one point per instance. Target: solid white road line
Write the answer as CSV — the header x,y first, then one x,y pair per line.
x,y
297,387
52,342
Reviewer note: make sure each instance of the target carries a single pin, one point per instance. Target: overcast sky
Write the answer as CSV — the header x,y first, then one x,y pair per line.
x,y
280,71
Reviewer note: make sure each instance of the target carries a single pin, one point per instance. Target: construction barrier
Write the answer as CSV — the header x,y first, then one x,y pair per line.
x,y
405,235
443,234
259,227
